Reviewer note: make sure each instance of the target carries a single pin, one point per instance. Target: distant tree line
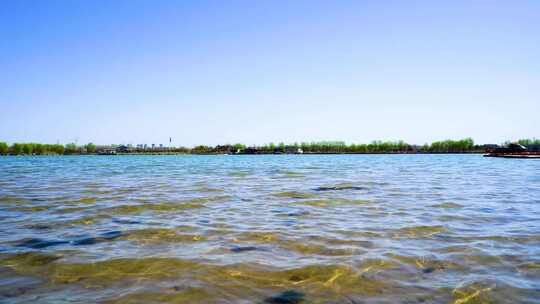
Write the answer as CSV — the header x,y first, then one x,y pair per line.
x,y
466,145
45,149
528,142
377,146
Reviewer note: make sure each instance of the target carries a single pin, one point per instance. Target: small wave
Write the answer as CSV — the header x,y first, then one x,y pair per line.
x,y
447,205
333,202
301,246
37,243
157,207
294,194
418,231
340,187
39,208
160,235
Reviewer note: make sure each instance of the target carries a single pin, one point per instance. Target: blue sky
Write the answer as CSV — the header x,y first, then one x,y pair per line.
x,y
209,72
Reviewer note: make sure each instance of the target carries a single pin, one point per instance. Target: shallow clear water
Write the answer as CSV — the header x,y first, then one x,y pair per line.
x,y
270,229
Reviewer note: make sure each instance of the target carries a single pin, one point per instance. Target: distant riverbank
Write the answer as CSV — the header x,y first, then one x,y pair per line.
x,y
308,153
466,145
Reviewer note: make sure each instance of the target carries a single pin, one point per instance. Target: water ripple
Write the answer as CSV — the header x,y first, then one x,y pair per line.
x,y
270,229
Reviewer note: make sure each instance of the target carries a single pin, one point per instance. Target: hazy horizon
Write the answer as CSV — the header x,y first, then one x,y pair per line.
x,y
209,72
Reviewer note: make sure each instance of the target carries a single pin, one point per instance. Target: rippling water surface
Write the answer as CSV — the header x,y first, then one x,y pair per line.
x,y
270,229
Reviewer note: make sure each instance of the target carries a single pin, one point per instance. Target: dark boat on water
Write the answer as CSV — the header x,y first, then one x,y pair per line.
x,y
513,150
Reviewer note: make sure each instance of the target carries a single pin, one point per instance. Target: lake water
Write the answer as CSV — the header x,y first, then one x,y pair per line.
x,y
269,229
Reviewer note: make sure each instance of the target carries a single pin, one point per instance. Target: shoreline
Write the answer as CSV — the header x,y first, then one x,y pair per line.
x,y
250,154
400,147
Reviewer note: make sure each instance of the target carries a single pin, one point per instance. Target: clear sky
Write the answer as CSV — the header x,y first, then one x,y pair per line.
x,y
209,72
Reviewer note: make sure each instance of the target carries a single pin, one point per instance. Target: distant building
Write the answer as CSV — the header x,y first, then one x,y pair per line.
x,y
123,149
104,148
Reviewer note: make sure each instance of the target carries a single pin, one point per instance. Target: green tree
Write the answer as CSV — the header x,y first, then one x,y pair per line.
x,y
16,149
238,147
4,148
528,142
58,149
201,150
48,149
90,148
28,148
70,148
39,149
